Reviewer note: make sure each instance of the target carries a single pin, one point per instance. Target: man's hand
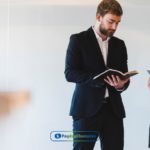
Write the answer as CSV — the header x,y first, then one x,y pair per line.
x,y
116,82
149,82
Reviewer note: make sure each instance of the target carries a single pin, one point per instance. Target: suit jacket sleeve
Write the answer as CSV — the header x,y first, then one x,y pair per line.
x,y
73,68
74,72
124,65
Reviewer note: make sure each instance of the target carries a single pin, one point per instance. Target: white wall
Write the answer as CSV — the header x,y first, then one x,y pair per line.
x,y
33,42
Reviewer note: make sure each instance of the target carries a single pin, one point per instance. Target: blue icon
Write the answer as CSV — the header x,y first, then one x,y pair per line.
x,y
58,136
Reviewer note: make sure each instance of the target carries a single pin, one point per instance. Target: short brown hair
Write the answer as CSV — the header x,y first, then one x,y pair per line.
x,y
109,6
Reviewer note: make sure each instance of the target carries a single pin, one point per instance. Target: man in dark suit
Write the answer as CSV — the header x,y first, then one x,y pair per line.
x,y
149,127
97,107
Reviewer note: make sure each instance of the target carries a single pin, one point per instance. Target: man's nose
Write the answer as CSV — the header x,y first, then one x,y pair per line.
x,y
114,26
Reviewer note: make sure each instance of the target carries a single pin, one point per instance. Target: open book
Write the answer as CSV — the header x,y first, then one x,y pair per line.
x,y
110,72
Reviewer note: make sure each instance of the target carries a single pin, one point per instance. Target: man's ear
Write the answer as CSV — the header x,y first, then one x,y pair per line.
x,y
98,17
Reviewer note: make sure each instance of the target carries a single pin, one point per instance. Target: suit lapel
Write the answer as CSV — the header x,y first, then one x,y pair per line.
x,y
110,53
95,46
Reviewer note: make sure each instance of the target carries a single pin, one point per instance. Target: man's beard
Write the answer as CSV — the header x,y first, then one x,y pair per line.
x,y
106,32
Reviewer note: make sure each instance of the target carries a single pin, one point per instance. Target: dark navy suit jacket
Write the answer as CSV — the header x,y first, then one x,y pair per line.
x,y
84,60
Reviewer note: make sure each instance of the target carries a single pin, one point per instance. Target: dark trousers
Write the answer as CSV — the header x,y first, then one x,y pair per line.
x,y
104,125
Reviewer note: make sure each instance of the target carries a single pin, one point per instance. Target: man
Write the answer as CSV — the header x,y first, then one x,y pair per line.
x,y
149,127
97,106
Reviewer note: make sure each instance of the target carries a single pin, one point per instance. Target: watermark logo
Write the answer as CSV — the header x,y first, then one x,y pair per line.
x,y
57,136
76,136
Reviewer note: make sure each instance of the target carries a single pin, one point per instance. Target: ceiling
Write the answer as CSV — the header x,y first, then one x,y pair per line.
x,y
75,2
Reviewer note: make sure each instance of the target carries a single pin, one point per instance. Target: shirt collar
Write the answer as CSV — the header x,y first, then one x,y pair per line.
x,y
98,37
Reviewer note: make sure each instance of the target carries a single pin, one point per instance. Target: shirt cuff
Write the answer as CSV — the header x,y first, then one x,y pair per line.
x,y
120,89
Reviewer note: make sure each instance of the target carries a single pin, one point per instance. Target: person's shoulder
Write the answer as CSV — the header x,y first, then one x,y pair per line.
x,y
116,39
118,42
82,34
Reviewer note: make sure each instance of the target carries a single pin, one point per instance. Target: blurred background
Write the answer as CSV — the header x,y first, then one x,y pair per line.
x,y
34,35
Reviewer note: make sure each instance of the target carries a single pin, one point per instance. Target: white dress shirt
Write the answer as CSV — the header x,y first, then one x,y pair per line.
x,y
104,49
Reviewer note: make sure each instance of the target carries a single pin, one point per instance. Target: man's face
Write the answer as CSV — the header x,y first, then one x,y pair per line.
x,y
108,24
